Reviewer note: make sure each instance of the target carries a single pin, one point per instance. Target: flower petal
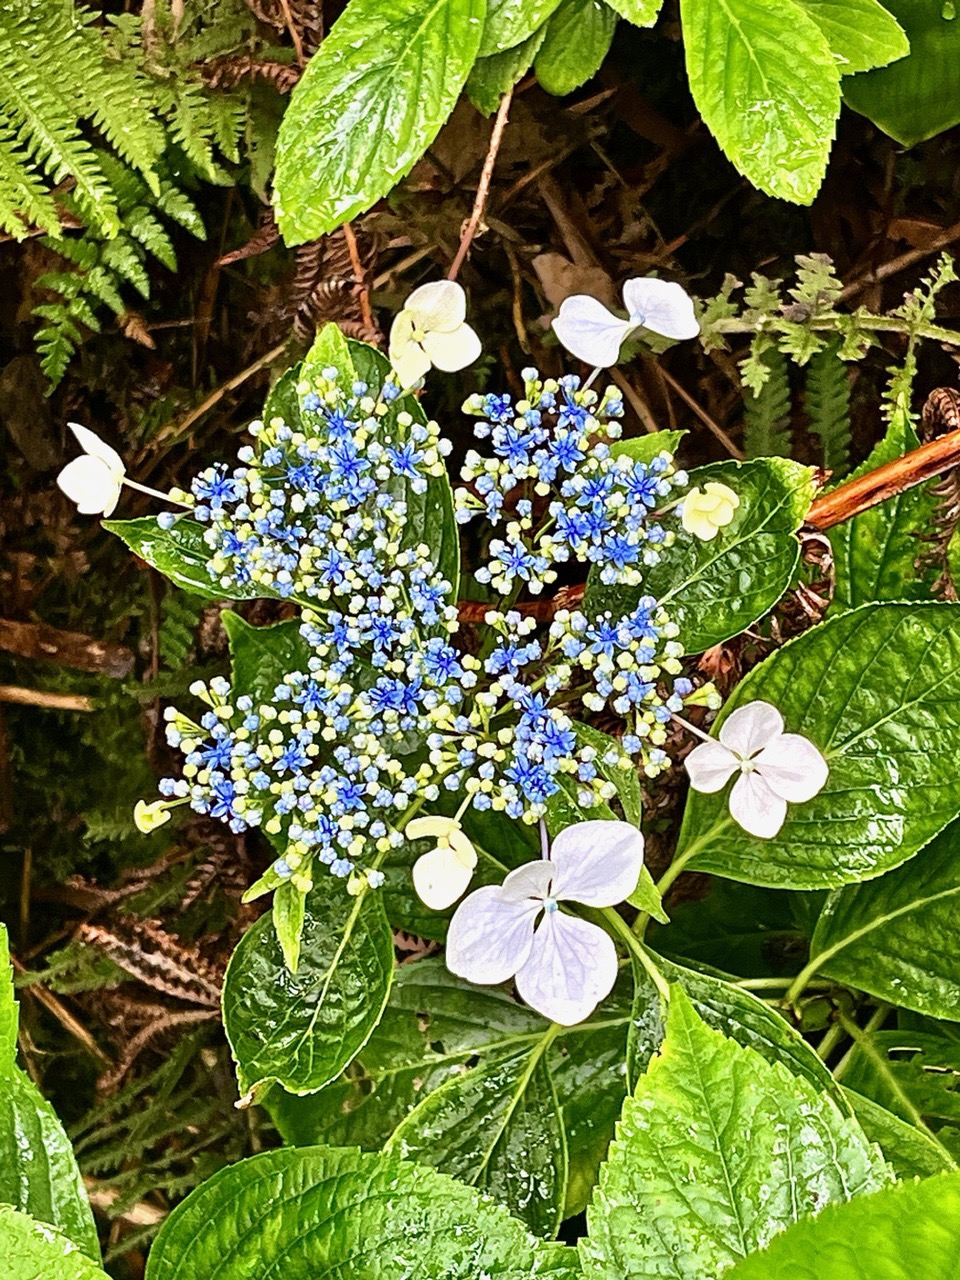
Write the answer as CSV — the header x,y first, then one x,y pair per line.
x,y
792,767
440,306
91,484
661,306
698,523
571,967
591,332
751,728
532,880
435,826
440,877
710,766
410,364
755,807
91,443
490,937
597,863
452,351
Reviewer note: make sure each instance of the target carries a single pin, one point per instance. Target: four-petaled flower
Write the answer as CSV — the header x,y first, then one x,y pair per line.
x,y
563,966
94,480
441,875
595,335
773,767
705,512
431,332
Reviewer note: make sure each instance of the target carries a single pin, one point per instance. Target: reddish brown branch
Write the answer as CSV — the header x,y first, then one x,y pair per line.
x,y
67,648
483,187
843,503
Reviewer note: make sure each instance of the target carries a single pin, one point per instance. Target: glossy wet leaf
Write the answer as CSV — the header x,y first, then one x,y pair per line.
x,y
898,937
38,1172
492,77
642,13
283,400
509,22
906,1232
181,555
302,1029
861,33
498,1128
714,590
910,1152
626,778
717,1150
874,554
319,1211
731,1010
911,1072
35,1251
577,39
877,690
437,1033
647,447
261,657
771,103
370,103
741,929
919,96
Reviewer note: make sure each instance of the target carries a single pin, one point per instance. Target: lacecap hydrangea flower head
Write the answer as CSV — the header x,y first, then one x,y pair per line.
x,y
393,721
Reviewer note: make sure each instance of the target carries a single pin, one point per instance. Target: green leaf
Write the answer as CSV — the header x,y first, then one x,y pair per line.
x,y
576,42
343,1214
492,77
861,33
181,555
771,103
302,1029
907,1232
913,1073
919,96
898,937
283,401
878,691
498,1128
38,1172
289,911
625,778
370,103
646,897
646,448
642,13
439,1034
874,553
716,1151
714,590
510,22
262,657
731,1010
911,1152
35,1251
9,1015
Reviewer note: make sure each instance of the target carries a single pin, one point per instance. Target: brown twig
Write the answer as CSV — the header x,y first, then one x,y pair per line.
x,y
63,1016
40,698
896,265
704,417
483,187
366,310
843,503
294,33
66,648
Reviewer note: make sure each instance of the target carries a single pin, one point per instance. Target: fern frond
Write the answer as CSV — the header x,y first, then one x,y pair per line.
x,y
24,203
767,412
827,401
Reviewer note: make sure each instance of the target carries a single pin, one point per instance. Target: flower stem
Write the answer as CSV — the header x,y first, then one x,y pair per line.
x,y
155,493
637,950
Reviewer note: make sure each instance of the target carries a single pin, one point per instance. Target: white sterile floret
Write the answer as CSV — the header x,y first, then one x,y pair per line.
x,y
431,332
772,768
563,966
592,332
443,874
94,480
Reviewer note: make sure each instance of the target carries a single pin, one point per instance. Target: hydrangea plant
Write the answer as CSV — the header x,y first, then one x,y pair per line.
x,y
456,731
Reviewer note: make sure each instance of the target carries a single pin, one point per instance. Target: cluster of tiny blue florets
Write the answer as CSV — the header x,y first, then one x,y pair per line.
x,y
385,708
